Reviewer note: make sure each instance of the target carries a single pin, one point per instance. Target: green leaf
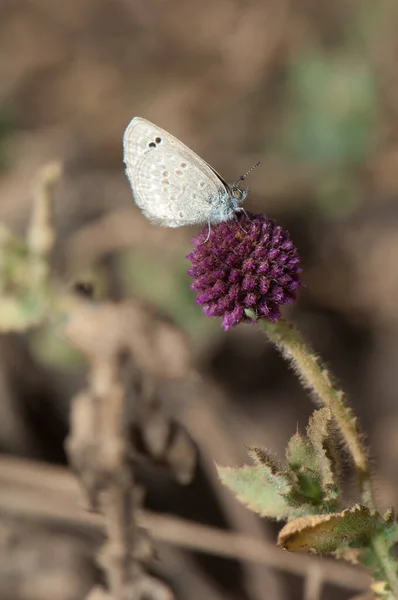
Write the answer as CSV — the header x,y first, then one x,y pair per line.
x,y
391,534
386,538
260,490
322,436
380,564
300,452
263,458
314,462
329,533
302,459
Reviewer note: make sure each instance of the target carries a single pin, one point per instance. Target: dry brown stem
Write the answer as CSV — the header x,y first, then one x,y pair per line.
x,y
51,494
99,447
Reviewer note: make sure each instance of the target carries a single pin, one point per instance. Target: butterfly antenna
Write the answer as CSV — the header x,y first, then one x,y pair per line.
x,y
243,177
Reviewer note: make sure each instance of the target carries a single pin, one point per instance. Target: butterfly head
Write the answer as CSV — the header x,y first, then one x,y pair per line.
x,y
238,194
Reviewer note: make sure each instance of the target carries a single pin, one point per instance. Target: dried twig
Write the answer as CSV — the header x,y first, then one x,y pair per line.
x,y
100,451
49,493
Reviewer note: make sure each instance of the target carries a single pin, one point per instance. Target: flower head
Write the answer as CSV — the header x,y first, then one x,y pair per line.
x,y
244,270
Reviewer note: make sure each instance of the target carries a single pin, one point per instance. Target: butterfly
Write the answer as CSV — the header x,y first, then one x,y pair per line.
x,y
171,184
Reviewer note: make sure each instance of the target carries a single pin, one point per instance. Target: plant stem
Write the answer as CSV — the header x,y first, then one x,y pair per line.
x,y
315,377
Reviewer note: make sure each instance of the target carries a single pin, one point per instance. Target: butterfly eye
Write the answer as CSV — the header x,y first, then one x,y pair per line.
x,y
237,193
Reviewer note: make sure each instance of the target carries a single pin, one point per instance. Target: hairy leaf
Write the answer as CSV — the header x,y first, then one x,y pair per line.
x,y
322,435
259,490
314,463
302,459
329,532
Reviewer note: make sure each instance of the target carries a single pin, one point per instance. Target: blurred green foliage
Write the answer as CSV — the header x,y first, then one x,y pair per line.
x,y
166,284
332,108
51,349
330,118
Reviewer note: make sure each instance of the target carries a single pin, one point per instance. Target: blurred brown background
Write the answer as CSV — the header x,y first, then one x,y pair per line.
x,y
309,88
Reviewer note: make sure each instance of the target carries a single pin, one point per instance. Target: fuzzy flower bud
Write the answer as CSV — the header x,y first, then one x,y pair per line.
x,y
246,269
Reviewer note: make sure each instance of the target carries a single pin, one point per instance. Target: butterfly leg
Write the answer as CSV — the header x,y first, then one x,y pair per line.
x,y
208,235
244,212
238,210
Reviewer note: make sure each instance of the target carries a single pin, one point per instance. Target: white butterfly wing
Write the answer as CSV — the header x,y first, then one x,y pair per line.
x,y
171,184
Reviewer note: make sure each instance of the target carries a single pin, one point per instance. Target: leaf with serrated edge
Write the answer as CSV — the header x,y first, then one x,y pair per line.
x,y
329,532
284,481
271,468
300,453
257,492
309,459
319,433
302,459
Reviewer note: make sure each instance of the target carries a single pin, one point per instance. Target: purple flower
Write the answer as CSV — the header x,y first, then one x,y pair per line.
x,y
245,270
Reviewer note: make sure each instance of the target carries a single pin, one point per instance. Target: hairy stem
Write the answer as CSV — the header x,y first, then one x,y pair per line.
x,y
315,377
